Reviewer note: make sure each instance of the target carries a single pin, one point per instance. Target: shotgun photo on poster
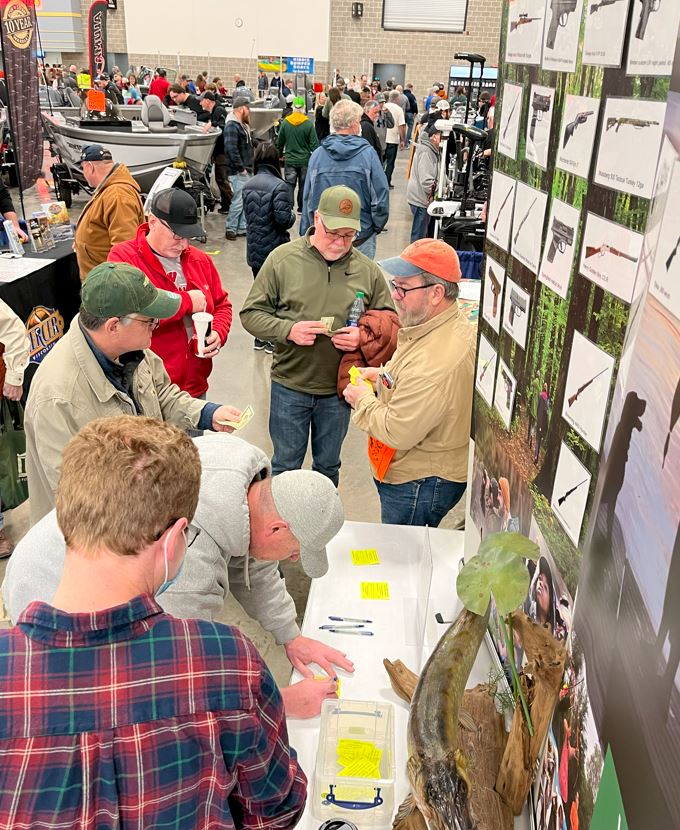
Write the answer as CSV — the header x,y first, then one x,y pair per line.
x,y
527,226
511,118
499,212
605,32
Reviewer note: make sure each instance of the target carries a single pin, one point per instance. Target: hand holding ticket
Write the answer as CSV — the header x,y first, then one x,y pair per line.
x,y
245,419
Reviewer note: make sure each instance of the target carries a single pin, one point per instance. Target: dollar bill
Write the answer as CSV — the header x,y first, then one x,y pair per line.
x,y
244,420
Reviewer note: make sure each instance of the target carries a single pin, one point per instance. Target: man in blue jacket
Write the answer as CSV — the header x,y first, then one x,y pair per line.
x,y
345,158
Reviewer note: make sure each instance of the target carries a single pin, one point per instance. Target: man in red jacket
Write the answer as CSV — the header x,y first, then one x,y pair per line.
x,y
160,84
162,251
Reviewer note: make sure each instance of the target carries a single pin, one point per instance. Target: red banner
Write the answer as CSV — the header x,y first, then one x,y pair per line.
x,y
96,29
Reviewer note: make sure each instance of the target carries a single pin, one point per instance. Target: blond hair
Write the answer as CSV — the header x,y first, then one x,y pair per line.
x,y
123,482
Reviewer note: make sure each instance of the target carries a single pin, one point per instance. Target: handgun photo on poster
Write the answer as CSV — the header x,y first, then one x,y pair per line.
x,y
525,32
499,212
504,395
539,122
605,31
610,254
653,37
665,281
630,137
558,251
527,226
486,369
516,312
492,299
588,380
577,135
511,117
561,36
570,492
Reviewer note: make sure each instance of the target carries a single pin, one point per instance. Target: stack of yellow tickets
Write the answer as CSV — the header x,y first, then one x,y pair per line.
x,y
358,759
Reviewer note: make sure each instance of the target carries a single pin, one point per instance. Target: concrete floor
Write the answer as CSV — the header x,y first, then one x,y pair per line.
x,y
240,377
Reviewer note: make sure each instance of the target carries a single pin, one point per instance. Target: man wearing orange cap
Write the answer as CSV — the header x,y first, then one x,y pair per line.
x,y
418,415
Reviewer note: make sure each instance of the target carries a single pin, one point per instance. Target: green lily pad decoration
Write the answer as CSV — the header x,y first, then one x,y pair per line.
x,y
497,569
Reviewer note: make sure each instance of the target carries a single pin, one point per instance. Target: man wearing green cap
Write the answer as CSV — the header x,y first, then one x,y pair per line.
x,y
297,139
314,277
104,367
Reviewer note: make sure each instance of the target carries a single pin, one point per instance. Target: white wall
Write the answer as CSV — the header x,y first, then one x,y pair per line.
x,y
268,27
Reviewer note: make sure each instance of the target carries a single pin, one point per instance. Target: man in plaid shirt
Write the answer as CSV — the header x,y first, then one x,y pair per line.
x,y
114,714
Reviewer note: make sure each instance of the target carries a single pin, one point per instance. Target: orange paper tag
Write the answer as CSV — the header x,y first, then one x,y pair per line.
x,y
379,456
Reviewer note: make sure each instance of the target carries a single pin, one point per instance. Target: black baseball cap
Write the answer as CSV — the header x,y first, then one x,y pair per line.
x,y
208,95
94,152
178,210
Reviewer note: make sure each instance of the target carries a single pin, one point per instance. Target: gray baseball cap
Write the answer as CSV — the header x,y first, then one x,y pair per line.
x,y
310,504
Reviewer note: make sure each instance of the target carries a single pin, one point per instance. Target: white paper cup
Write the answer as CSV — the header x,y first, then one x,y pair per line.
x,y
202,321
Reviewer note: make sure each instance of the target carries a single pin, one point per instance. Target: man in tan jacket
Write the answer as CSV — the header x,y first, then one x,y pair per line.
x,y
103,367
114,212
418,420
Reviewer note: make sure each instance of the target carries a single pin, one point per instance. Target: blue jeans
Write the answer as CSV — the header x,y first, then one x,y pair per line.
x,y
368,246
292,415
410,118
420,222
422,502
236,218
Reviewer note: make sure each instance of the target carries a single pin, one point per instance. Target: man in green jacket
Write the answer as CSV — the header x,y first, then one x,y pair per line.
x,y
316,276
297,139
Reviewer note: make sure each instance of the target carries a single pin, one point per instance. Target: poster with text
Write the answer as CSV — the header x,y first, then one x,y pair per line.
x,y
492,297
605,32
652,39
539,122
578,134
516,312
630,138
665,282
499,213
525,31
570,493
527,226
504,396
511,116
610,254
561,38
558,252
486,369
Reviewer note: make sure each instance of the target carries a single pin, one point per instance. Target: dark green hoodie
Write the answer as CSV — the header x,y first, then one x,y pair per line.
x,y
297,138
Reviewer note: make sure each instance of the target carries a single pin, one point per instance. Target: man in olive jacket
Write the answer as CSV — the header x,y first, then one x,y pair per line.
x,y
300,282
103,367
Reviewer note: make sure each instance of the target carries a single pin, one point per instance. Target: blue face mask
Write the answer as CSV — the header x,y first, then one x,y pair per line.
x,y
168,582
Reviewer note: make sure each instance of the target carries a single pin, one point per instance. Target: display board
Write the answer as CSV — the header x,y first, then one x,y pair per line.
x,y
565,280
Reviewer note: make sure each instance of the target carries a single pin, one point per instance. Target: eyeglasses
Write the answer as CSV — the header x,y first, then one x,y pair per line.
x,y
402,292
152,322
175,236
345,237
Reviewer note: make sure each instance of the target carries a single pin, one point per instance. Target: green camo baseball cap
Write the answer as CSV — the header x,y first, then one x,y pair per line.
x,y
116,289
340,207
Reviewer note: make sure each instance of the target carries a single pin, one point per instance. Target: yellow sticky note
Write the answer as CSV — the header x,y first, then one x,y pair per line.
x,y
325,677
375,590
369,556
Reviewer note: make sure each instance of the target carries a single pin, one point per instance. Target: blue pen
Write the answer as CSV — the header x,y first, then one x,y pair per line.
x,y
333,626
348,619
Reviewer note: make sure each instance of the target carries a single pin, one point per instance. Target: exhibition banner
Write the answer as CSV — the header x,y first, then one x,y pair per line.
x,y
19,48
96,31
277,63
574,425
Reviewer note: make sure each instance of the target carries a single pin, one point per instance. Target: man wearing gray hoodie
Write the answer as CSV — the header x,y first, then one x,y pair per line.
x,y
247,523
421,184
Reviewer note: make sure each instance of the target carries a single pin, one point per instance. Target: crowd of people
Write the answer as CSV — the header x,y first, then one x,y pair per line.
x,y
146,513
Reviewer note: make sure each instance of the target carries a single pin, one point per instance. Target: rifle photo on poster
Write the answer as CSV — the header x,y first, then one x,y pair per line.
x,y
570,492
559,248
516,312
527,227
652,38
485,373
561,37
511,116
525,32
587,394
504,395
577,135
539,122
492,298
609,256
665,281
499,212
605,32
630,138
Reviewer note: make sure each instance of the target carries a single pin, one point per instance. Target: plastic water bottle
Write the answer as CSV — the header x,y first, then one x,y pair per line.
x,y
356,310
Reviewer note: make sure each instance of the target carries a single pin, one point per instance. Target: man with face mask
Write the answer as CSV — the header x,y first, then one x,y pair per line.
x,y
135,701
238,151
418,417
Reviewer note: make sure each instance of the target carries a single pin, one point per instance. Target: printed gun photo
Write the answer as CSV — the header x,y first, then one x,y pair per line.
x,y
672,255
561,9
522,20
595,7
518,306
524,219
636,123
581,118
573,398
539,104
563,236
508,388
512,112
502,207
648,6
607,249
495,290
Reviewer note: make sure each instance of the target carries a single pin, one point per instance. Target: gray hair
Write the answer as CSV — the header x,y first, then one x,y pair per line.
x,y
369,105
399,88
344,116
450,288
394,96
93,322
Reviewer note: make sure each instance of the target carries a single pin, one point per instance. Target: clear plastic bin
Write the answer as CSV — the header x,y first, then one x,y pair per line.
x,y
368,802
